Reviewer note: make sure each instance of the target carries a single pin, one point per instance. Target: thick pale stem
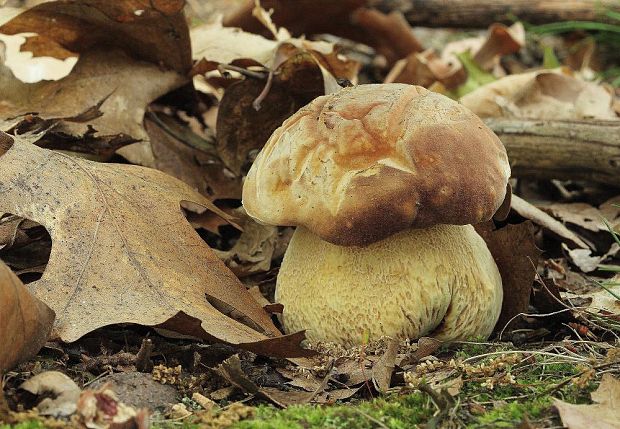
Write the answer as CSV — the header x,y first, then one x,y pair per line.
x,y
440,281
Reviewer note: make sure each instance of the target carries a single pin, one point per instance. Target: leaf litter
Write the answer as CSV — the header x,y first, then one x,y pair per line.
x,y
119,240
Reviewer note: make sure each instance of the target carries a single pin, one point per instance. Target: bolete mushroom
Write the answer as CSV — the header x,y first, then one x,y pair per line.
x,y
383,183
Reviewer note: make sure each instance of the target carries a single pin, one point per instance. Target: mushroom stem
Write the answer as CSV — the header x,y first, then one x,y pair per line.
x,y
440,281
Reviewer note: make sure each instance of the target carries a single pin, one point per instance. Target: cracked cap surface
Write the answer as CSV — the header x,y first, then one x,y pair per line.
x,y
361,164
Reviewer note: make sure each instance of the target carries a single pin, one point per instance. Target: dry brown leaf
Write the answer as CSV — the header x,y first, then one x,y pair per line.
x,y
124,47
242,130
200,169
60,393
299,16
253,250
426,68
601,301
114,86
384,367
543,94
587,216
486,50
123,252
390,34
25,322
231,370
155,32
501,40
583,258
213,44
603,414
541,218
305,380
24,245
516,256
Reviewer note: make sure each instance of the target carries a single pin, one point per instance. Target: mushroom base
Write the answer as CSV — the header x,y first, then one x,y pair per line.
x,y
440,281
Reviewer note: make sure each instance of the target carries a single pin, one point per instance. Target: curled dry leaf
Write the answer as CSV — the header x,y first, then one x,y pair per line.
x,y
390,34
63,391
253,250
202,169
123,252
155,32
516,256
213,44
543,94
130,53
586,216
486,50
299,16
426,68
25,321
384,367
604,413
242,130
603,301
231,370
109,86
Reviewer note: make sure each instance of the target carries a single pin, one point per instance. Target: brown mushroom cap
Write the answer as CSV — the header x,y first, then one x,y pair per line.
x,y
361,164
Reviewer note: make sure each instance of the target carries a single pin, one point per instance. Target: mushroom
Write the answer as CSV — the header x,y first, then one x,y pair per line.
x,y
383,183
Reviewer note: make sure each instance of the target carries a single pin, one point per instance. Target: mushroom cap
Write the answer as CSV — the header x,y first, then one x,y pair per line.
x,y
440,281
361,164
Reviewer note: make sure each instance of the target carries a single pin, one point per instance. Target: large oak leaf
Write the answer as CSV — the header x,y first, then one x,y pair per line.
x,y
123,252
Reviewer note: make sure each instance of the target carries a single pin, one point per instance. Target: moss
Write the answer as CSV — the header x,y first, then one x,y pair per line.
x,y
398,412
511,414
33,424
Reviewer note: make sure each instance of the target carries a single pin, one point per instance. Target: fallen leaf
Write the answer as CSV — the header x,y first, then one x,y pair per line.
x,y
541,218
390,34
426,68
253,250
25,322
604,413
117,87
242,130
487,50
64,393
14,231
231,370
124,253
305,380
155,32
583,258
500,40
542,94
24,245
219,44
213,44
426,346
601,301
203,170
586,215
516,256
382,369
205,219
300,17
